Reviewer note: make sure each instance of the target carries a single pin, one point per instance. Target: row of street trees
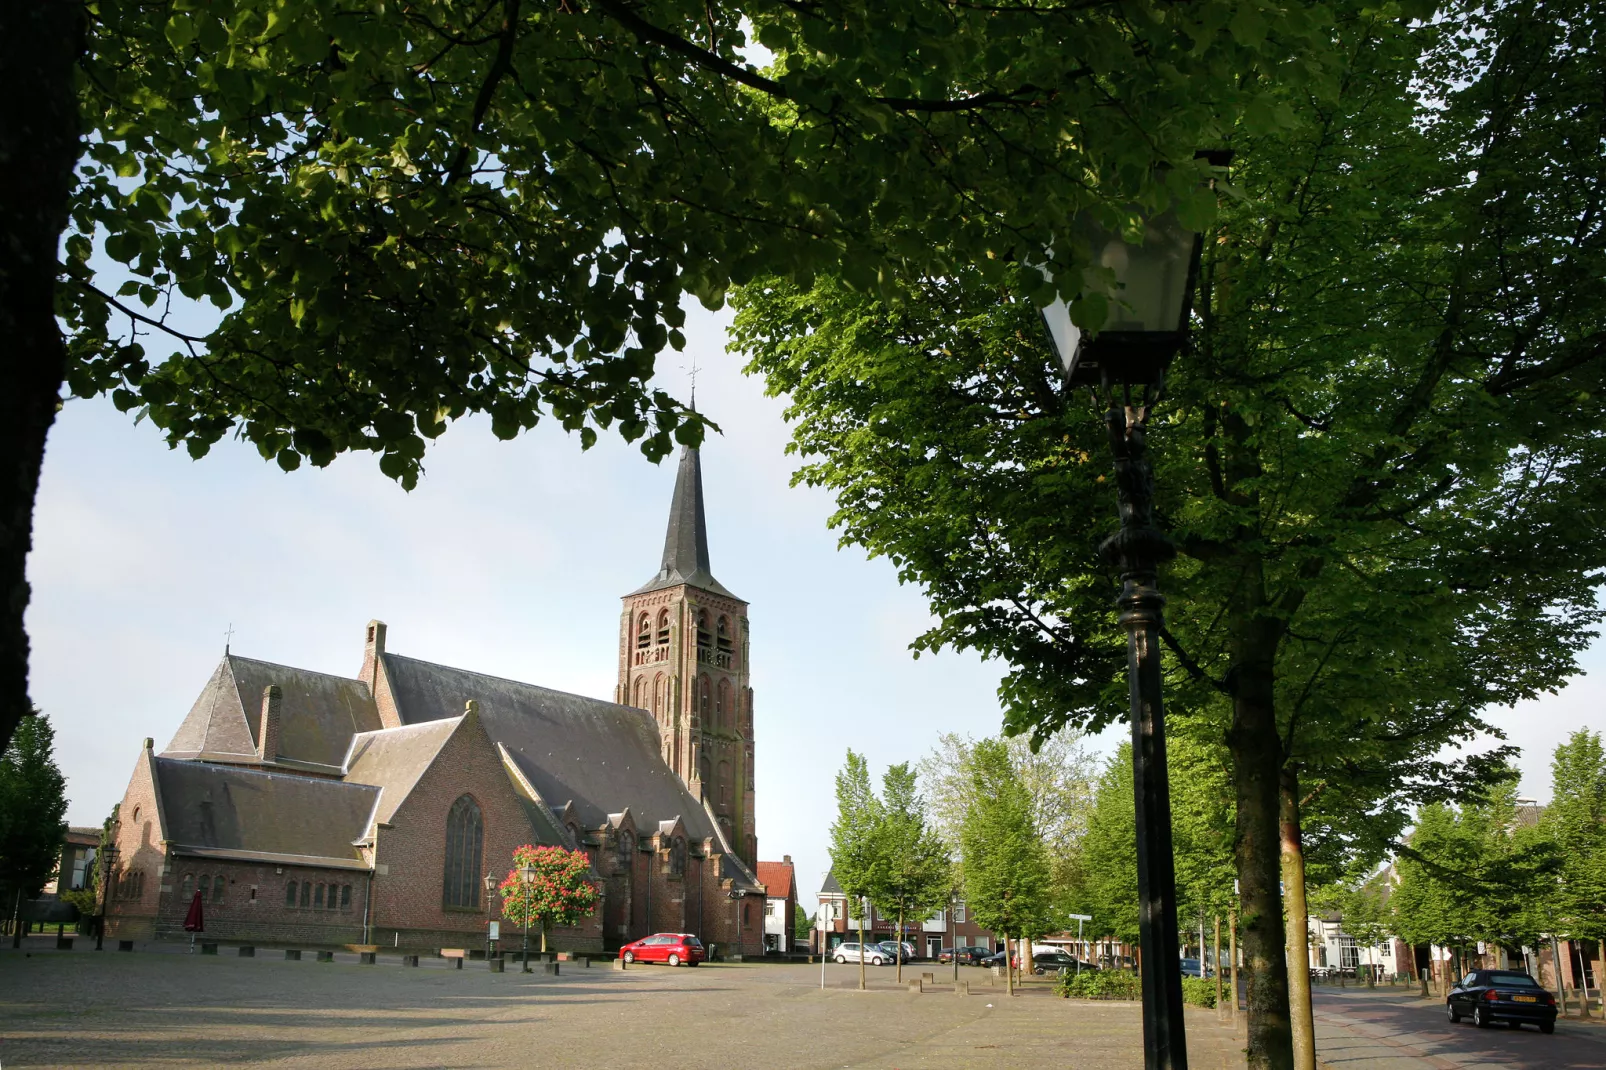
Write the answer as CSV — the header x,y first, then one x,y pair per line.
x,y
1381,464
33,816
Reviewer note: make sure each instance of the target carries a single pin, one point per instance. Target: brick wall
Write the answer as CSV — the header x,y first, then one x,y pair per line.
x,y
254,908
410,853
140,861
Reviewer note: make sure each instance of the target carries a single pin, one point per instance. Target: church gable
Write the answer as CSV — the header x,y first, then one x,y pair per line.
x,y
216,723
393,760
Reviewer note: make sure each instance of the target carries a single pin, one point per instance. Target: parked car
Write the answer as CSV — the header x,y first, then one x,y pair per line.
x,y
676,949
1052,961
1193,968
890,948
853,952
968,956
1510,996
996,958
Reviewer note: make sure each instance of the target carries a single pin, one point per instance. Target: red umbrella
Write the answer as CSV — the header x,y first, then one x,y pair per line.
x,y
192,921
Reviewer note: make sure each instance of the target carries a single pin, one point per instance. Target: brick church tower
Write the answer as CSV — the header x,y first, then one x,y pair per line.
x,y
683,657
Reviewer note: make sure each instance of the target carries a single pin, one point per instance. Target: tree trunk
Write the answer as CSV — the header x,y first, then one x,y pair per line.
x,y
1257,766
1296,924
1232,959
1218,966
897,953
39,142
864,937
543,938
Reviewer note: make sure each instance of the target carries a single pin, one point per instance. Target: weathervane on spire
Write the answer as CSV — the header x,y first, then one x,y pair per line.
x,y
228,637
693,374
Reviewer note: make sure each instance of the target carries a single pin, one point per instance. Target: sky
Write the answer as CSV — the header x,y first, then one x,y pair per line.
x,y
510,559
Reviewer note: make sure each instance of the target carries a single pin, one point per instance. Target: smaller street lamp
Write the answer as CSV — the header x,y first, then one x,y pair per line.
x,y
527,875
1149,286
490,903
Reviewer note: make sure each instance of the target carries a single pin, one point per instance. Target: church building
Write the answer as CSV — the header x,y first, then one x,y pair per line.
x,y
370,810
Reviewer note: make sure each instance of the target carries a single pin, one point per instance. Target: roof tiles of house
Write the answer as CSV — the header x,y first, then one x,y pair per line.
x,y
233,811
318,714
777,878
392,759
830,886
600,756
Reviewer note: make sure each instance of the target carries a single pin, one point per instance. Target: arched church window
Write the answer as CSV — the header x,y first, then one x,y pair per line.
x,y
217,889
186,889
658,702
306,893
574,833
644,632
639,698
290,894
663,626
677,857
465,836
703,773
724,795
705,698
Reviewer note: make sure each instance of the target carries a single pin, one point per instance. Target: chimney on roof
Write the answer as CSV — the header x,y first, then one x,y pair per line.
x,y
268,730
373,646
787,859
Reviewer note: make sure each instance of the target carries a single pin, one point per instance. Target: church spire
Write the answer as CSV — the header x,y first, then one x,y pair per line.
x,y
686,540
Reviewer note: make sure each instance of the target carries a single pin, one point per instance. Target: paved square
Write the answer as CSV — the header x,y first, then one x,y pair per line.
x,y
177,1010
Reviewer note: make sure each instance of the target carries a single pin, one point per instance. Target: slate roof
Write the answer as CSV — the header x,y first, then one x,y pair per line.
x,y
777,879
686,540
318,716
600,756
392,759
831,887
233,811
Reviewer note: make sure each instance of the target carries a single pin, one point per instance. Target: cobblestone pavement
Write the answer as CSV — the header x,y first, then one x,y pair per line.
x,y
177,1010
1393,1029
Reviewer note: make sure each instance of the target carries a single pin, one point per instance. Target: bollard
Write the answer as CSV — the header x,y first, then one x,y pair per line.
x,y
457,964
550,967
63,943
929,978
585,960
292,955
409,960
961,988
367,958
209,949
917,986
497,965
247,951
125,945
619,964
326,956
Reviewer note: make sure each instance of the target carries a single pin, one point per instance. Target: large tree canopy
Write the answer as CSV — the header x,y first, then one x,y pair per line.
x,y
1382,463
406,213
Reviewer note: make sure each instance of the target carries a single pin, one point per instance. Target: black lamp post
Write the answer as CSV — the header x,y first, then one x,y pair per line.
x,y
490,902
527,875
1149,286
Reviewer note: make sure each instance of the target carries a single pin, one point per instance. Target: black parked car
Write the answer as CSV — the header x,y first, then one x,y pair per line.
x,y
1510,996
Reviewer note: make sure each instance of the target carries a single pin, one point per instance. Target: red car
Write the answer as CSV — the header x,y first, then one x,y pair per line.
x,y
674,948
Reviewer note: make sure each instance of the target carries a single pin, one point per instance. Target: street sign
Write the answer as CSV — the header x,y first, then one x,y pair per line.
x,y
496,930
1081,917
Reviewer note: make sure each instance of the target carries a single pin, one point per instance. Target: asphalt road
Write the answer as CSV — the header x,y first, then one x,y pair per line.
x,y
1391,1029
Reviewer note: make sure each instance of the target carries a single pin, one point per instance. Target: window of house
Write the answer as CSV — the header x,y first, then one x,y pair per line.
x,y
345,897
217,888
306,893
186,888
465,840
290,894
317,898
959,913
